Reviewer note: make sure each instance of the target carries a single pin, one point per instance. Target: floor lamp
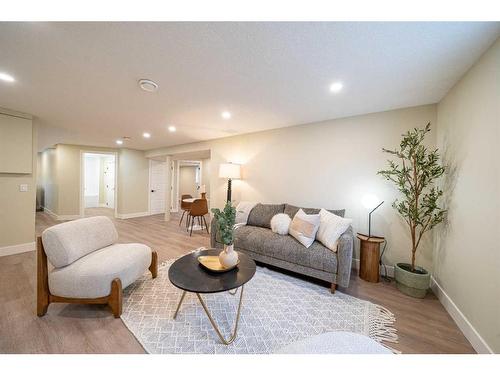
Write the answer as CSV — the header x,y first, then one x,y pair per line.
x,y
372,203
230,171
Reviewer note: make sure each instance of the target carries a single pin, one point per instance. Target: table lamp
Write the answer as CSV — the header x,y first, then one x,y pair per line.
x,y
371,202
230,171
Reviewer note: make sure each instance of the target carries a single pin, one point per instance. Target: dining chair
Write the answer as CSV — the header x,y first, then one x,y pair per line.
x,y
199,208
185,206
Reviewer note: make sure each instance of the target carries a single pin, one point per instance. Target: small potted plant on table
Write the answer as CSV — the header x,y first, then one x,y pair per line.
x,y
414,175
225,220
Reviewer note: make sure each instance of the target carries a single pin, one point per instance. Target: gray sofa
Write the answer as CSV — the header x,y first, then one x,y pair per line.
x,y
263,245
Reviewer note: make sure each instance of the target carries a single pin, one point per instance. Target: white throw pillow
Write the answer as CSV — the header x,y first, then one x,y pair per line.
x,y
280,223
331,227
304,227
242,211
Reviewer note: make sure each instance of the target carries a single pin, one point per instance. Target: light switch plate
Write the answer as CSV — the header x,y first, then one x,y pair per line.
x,y
23,187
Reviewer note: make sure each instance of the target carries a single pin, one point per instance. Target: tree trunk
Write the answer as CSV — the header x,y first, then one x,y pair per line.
x,y
413,247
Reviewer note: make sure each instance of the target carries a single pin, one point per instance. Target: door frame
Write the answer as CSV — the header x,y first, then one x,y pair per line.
x,y
82,179
177,174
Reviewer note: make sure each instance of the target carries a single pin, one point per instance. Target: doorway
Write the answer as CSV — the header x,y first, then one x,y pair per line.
x,y
189,178
192,177
98,190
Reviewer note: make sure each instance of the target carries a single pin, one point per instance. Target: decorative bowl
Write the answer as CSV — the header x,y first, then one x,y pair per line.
x,y
212,263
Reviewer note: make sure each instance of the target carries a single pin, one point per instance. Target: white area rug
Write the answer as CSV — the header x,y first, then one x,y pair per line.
x,y
277,310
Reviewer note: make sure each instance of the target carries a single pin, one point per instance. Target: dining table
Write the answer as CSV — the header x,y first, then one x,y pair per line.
x,y
191,200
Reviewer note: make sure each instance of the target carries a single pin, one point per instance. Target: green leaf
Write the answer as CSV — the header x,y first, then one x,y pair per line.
x,y
225,220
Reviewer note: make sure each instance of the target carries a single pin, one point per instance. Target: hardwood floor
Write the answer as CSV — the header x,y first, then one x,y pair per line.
x,y
423,325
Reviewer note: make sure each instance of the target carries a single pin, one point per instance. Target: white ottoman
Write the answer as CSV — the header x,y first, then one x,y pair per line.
x,y
335,343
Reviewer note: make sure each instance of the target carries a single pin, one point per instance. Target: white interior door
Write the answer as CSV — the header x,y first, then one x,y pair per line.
x,y
157,187
109,182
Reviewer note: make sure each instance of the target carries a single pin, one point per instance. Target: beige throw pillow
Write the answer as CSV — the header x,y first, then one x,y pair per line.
x,y
304,227
331,227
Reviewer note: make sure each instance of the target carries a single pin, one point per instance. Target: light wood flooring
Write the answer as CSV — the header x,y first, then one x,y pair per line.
x,y
423,325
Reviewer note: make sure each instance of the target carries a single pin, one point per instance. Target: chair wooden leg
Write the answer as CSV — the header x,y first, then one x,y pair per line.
x,y
115,298
42,287
205,221
153,268
333,288
182,217
192,223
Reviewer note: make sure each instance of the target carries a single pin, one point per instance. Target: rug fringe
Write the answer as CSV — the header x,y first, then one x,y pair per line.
x,y
381,327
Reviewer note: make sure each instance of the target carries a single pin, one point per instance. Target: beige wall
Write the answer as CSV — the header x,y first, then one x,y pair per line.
x,y
187,181
68,168
331,164
47,180
17,209
16,141
133,182
467,256
61,179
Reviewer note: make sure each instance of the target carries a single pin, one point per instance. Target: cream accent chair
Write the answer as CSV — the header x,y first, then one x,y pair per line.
x,y
89,266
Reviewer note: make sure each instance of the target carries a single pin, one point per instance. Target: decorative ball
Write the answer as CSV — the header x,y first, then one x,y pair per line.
x,y
280,223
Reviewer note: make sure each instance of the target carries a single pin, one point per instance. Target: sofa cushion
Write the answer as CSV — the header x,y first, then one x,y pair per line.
x,y
280,223
266,242
304,227
261,214
64,243
91,276
292,210
331,228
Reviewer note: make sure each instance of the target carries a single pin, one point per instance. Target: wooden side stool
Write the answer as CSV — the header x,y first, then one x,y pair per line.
x,y
369,255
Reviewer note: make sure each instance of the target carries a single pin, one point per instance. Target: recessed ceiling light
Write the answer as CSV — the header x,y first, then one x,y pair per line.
x,y
335,87
6,77
148,85
146,135
226,115
119,142
172,128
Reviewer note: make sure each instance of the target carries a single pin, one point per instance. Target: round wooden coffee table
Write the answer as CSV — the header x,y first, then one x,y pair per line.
x,y
188,274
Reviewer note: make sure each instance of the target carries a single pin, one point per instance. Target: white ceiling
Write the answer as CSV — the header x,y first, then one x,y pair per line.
x,y
80,79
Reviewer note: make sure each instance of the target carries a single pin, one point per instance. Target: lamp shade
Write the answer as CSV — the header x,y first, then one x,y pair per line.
x,y
230,170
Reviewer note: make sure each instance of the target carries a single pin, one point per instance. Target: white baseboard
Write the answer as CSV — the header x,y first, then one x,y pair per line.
x,y
61,217
46,210
462,322
132,215
17,249
390,269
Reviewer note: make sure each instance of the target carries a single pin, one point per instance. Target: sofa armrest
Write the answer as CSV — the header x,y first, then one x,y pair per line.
x,y
344,257
214,235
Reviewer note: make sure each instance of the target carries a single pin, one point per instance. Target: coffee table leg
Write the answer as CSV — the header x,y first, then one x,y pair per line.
x,y
180,303
233,336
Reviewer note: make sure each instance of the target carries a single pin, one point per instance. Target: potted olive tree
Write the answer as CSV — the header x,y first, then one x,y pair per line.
x,y
225,220
414,173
